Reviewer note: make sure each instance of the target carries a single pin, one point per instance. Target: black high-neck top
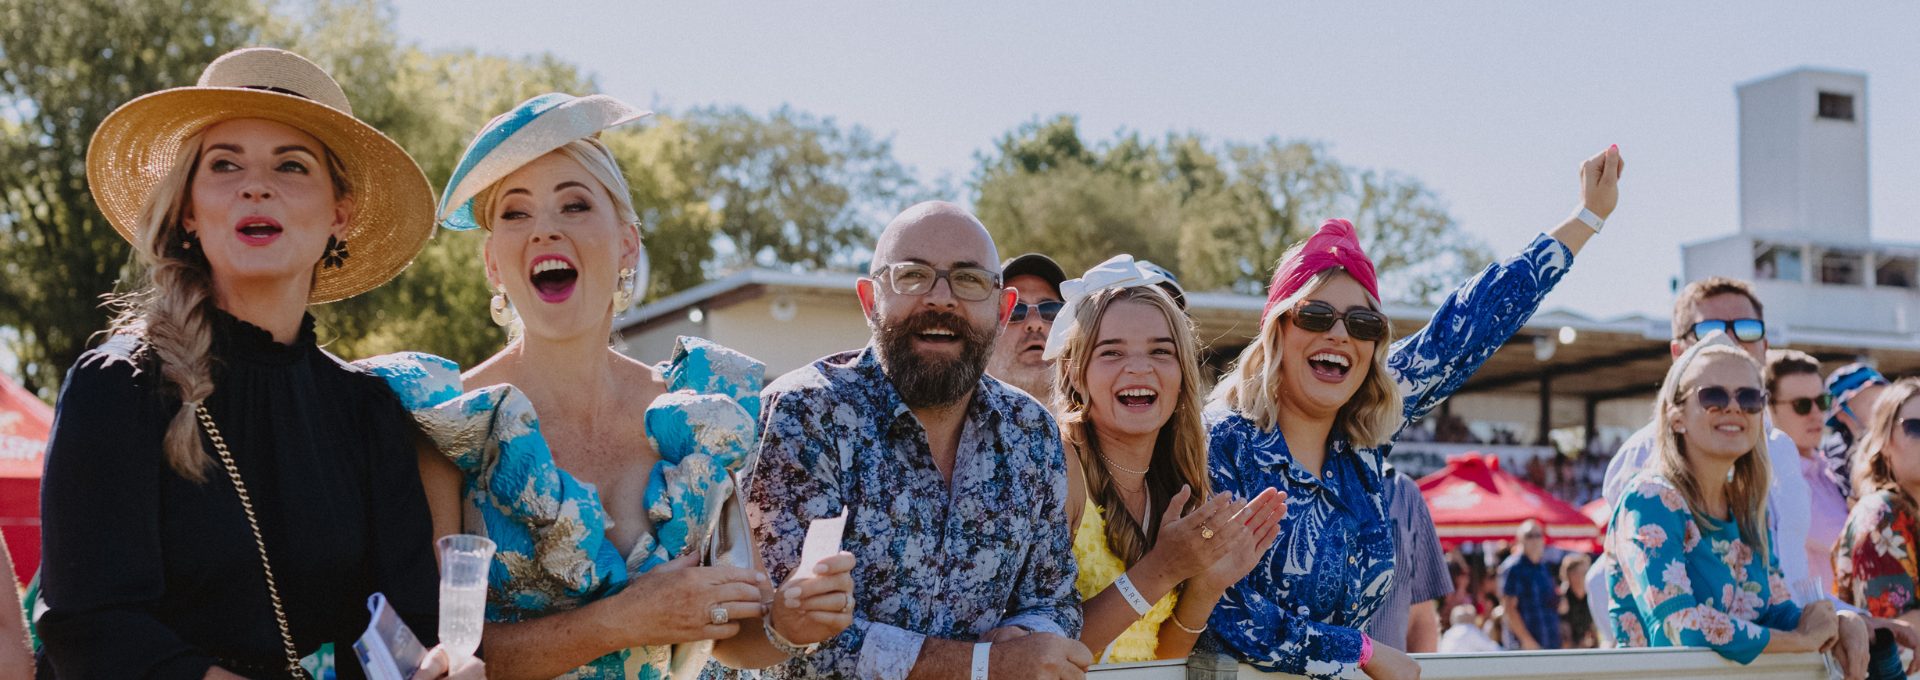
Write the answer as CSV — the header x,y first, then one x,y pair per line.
x,y
149,575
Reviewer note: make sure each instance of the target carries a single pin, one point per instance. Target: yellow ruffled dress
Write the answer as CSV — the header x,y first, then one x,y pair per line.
x,y
1098,569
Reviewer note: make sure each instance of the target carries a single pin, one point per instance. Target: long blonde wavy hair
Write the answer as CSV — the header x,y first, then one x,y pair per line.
x,y
1252,389
1873,471
1752,472
170,310
1180,451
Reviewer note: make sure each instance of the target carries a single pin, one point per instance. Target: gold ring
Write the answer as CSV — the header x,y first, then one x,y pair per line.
x,y
718,615
849,608
1205,532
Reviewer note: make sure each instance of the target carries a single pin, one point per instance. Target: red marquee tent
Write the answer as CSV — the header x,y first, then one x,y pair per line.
x,y
1472,499
24,424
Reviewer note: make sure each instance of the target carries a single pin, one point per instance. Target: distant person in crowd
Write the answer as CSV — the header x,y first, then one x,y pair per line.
x,y
1694,560
1462,592
955,484
1855,389
16,652
1798,408
1878,552
594,473
1575,618
1155,547
1463,636
1528,592
1312,407
1018,353
1408,621
221,495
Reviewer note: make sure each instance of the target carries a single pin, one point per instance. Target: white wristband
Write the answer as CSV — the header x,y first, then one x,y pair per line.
x,y
1140,604
981,656
1588,217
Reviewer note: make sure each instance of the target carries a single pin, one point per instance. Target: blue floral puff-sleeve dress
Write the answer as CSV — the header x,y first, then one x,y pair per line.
x,y
554,554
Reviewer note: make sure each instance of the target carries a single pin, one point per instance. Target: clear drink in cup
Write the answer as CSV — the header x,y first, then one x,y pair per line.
x,y
464,560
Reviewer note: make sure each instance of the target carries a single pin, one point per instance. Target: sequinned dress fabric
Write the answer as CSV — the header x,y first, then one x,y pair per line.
x,y
1678,582
554,554
936,558
1302,608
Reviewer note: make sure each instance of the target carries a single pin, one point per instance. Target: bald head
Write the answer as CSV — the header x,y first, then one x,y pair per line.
x,y
937,233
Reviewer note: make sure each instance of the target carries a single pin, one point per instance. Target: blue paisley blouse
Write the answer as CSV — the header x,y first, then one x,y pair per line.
x,y
936,559
554,554
1302,608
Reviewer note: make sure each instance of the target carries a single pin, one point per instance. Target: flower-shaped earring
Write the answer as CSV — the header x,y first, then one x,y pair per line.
x,y
336,255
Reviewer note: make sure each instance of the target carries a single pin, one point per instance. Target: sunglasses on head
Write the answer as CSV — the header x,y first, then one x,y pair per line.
x,y
1315,316
1806,405
1748,399
1047,310
1744,330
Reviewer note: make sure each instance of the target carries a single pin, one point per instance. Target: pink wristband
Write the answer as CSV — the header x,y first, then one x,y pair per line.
x,y
1366,650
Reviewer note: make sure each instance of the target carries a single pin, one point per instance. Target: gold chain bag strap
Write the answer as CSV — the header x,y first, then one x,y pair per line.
x,y
246,503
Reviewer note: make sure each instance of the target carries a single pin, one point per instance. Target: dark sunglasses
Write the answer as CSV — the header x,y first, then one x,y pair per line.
x,y
1806,405
1048,310
1314,316
1912,427
1749,399
1744,330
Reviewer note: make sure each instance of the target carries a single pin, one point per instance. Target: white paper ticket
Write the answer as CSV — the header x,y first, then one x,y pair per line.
x,y
823,541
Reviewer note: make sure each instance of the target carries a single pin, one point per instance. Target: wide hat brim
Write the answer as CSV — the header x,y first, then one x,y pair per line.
x,y
530,130
139,143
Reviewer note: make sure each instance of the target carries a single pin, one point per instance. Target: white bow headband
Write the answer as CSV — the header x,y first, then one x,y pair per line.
x,y
1119,271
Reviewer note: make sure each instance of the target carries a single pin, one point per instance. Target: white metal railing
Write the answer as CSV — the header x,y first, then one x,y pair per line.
x,y
1584,664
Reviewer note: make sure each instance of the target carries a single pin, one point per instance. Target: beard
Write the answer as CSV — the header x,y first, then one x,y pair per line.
x,y
1036,379
924,381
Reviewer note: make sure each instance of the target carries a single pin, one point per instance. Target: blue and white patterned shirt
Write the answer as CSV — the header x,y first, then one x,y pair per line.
x,y
1301,610
946,560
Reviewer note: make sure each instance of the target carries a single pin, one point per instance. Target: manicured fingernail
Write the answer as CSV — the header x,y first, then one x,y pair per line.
x,y
793,594
1615,147
762,576
820,568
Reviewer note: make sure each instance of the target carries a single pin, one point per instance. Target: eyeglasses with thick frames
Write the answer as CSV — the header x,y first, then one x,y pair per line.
x,y
1047,310
1315,316
1806,405
967,283
1744,330
1714,398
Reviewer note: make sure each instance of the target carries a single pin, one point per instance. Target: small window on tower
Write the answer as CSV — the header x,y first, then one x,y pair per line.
x,y
1894,271
1836,106
1842,267
1776,261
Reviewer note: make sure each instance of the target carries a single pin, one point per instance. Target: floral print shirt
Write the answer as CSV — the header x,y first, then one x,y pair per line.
x,y
936,559
1302,608
1675,582
1874,563
554,554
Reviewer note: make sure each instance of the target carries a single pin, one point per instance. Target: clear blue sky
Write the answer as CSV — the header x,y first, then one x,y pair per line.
x,y
1491,104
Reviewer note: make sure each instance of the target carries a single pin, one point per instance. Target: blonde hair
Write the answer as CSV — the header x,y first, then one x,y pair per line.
x,y
1874,469
171,309
1752,472
1180,450
1252,389
598,161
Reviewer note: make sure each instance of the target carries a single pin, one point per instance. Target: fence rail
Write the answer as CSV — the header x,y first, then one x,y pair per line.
x,y
1588,664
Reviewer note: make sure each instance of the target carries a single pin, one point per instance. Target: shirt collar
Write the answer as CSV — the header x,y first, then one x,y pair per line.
x,y
983,408
1341,455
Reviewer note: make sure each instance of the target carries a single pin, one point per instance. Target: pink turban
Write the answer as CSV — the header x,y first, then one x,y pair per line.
x,y
1336,244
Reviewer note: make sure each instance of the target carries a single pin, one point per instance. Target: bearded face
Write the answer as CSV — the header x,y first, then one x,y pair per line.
x,y
934,358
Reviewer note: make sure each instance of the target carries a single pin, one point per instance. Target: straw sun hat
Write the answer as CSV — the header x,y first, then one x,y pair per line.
x,y
393,203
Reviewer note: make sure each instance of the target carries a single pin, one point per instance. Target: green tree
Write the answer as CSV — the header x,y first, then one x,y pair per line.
x,y
1045,190
792,189
64,65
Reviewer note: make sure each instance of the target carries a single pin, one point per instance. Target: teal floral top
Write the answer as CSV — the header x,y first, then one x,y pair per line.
x,y
554,554
1675,583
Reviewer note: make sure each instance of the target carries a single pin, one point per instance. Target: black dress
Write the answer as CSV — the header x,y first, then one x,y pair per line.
x,y
148,575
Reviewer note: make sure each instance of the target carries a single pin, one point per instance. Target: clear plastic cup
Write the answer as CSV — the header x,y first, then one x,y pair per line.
x,y
464,560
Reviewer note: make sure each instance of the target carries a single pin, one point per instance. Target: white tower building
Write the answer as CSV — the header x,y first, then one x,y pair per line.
x,y
1805,239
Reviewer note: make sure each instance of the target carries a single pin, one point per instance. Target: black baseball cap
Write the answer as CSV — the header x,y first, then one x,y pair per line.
x,y
1034,264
